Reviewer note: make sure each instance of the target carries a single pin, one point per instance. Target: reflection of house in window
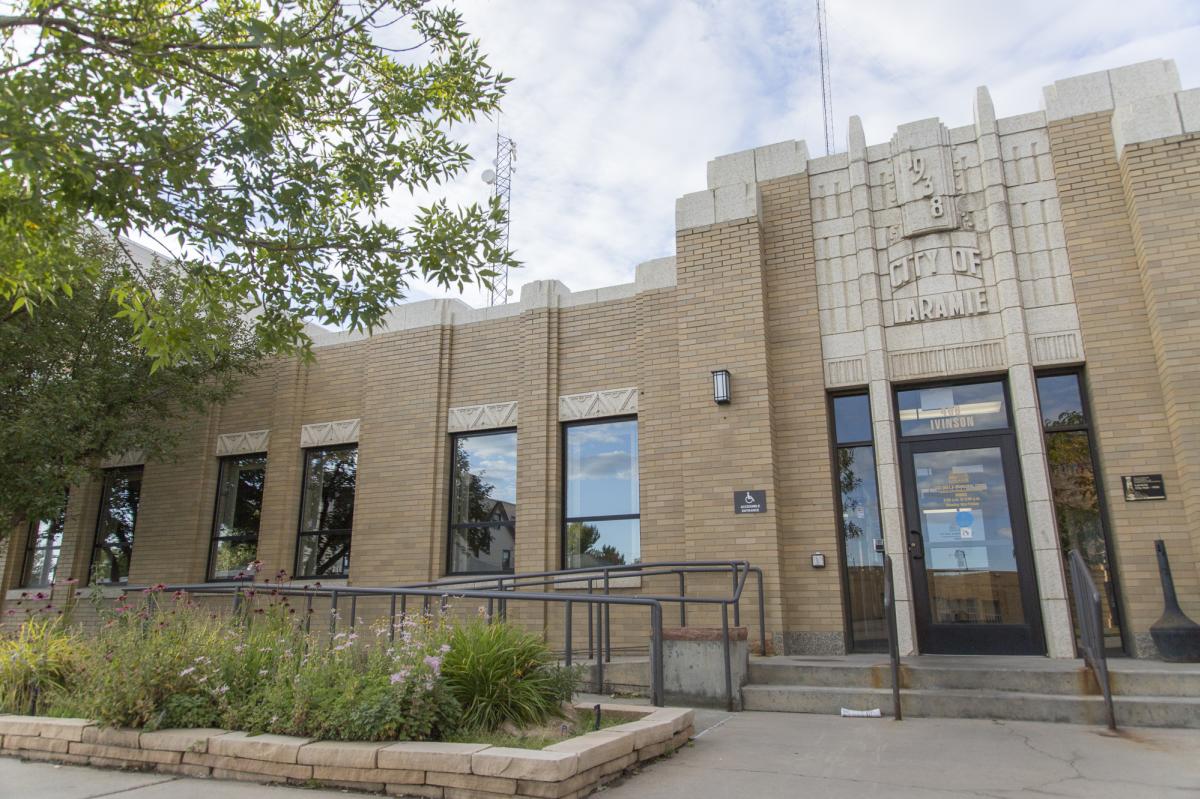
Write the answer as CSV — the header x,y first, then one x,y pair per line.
x,y
483,508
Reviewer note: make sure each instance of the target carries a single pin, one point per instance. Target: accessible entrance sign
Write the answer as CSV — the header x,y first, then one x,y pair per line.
x,y
749,501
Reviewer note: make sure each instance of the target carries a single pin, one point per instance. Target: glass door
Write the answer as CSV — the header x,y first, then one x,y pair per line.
x,y
974,589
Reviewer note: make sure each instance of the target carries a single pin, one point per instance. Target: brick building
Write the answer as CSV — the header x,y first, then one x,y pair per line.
x,y
973,348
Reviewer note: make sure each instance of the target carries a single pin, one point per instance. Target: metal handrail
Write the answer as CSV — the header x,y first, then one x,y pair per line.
x,y
889,609
603,574
509,587
238,591
1091,628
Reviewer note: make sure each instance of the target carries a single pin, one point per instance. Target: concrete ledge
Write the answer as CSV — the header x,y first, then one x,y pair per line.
x,y
702,634
437,770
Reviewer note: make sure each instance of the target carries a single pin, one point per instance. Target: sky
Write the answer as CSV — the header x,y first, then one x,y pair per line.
x,y
617,106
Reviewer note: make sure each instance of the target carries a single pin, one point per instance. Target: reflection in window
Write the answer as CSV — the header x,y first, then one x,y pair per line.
x,y
327,512
961,408
119,499
483,502
602,518
1076,494
239,511
862,535
42,547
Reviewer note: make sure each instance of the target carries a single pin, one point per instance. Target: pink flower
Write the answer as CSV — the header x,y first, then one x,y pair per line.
x,y
434,663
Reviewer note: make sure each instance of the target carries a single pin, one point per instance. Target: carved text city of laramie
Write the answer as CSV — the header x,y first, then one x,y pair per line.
x,y
946,305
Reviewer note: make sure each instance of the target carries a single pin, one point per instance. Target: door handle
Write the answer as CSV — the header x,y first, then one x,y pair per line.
x,y
915,549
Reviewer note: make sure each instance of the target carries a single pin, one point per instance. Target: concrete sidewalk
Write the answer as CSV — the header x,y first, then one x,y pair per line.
x,y
790,755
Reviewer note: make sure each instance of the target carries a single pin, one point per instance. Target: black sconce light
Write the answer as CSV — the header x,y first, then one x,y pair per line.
x,y
721,390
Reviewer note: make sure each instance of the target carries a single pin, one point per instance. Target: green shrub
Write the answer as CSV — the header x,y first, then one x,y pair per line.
x,y
502,674
42,656
164,661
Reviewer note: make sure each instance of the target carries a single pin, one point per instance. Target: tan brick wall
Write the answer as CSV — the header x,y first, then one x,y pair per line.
x,y
1162,189
722,324
807,521
1130,418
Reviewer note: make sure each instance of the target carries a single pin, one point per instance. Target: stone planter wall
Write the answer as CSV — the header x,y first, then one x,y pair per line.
x,y
571,768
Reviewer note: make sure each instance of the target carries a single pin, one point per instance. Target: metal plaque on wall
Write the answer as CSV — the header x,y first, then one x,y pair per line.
x,y
1140,487
749,501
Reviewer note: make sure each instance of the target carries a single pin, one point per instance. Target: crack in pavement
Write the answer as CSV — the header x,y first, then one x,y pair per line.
x,y
133,788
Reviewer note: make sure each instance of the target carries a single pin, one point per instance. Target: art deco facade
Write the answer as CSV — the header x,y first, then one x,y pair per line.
x,y
970,347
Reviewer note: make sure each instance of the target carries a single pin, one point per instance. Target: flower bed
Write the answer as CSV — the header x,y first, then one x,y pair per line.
x,y
570,768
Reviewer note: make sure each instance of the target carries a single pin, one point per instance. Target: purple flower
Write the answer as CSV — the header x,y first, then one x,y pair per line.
x,y
398,677
435,663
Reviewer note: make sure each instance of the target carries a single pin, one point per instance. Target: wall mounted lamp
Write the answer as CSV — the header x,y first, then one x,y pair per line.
x,y
721,387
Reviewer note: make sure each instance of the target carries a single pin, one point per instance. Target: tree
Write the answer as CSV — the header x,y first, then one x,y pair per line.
x,y
260,142
76,387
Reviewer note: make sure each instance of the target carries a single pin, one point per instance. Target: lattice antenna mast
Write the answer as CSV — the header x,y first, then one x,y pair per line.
x,y
501,180
826,81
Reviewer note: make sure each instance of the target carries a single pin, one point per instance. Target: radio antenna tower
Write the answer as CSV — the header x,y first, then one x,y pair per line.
x,y
826,82
500,179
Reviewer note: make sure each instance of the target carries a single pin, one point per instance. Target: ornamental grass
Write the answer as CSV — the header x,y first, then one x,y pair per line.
x,y
164,661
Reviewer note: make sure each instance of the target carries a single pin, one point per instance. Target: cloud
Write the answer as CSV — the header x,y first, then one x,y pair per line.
x,y
616,107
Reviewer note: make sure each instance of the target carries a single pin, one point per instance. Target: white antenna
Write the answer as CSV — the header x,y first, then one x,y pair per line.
x,y
500,179
826,81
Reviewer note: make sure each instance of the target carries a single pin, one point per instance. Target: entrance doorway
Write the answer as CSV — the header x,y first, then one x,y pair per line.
x,y
974,590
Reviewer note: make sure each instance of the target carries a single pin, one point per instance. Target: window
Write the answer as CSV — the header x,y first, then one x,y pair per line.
x,y
119,497
327,512
42,547
602,523
239,512
861,532
1076,491
960,408
483,502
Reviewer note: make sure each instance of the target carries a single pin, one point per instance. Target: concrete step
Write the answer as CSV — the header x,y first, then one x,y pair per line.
x,y
1030,675
1139,711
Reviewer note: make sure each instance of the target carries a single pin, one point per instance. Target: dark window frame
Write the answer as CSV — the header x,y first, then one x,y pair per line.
x,y
141,469
1001,378
451,526
32,536
301,533
562,485
214,539
1085,401
834,467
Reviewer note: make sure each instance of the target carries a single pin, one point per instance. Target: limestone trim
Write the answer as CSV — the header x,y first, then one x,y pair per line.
x,y
242,443
1057,348
324,434
133,457
482,417
598,404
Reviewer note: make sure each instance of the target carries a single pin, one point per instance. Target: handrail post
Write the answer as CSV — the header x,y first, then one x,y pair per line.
x,y
591,634
353,610
607,623
737,605
392,619
682,602
889,607
1091,629
762,613
728,663
333,613
567,635
656,656
599,647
